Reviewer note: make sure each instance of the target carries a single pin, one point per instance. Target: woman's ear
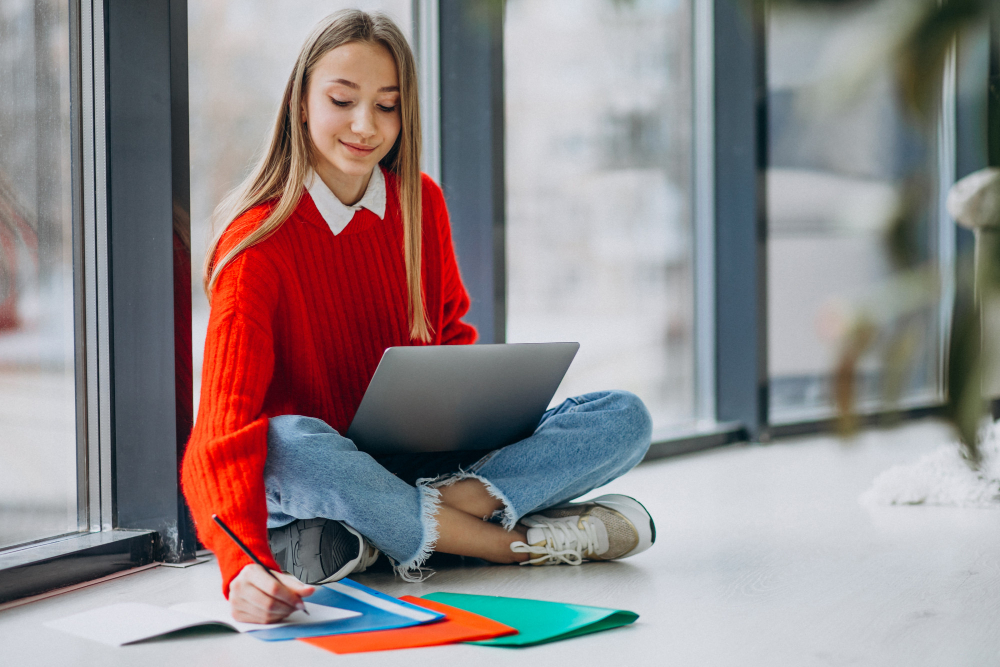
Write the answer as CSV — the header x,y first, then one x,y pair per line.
x,y
303,116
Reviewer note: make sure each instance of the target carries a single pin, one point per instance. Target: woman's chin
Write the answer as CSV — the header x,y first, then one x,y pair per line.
x,y
352,165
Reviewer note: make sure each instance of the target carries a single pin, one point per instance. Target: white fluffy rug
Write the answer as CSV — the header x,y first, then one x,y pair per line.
x,y
943,478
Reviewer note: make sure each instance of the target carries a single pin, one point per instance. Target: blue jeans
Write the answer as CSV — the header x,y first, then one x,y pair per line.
x,y
312,471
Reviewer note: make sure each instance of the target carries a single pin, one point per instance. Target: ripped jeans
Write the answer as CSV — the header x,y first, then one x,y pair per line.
x,y
312,471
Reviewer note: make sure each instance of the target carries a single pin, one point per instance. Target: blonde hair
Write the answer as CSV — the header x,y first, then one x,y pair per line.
x,y
281,172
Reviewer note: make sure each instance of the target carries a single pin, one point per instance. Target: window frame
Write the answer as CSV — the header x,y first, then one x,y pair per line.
x,y
130,154
472,154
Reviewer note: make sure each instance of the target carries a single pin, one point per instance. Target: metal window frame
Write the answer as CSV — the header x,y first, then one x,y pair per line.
x,y
472,154
703,195
993,89
740,151
147,174
130,149
81,319
427,46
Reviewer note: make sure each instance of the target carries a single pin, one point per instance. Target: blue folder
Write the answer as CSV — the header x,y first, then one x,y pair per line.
x,y
378,612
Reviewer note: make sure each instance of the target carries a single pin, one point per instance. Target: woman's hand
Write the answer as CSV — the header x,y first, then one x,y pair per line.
x,y
255,597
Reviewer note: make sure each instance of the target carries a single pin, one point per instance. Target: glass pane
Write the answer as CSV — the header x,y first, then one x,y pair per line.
x,y
235,88
38,448
839,165
599,227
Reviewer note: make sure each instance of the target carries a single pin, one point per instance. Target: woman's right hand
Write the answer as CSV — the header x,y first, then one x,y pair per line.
x,y
255,597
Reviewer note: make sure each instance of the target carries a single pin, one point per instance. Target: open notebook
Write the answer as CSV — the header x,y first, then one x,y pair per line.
x,y
130,622
340,607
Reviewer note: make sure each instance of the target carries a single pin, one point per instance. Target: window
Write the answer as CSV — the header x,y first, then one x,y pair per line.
x,y
39,321
92,123
839,167
598,126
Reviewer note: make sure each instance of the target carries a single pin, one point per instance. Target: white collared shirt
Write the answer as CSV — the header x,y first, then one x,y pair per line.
x,y
337,214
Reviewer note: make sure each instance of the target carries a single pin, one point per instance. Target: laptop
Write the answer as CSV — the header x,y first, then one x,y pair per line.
x,y
456,397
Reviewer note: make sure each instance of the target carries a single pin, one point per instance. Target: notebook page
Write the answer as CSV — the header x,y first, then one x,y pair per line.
x,y
218,610
124,623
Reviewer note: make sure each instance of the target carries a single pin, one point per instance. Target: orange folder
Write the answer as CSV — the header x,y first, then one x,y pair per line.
x,y
458,625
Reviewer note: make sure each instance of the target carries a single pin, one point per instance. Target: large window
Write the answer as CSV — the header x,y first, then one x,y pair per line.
x,y
844,157
598,157
38,362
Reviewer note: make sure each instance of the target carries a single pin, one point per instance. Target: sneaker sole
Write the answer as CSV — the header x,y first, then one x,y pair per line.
x,y
346,542
309,549
634,511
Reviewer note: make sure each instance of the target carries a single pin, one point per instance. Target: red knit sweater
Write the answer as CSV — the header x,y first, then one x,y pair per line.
x,y
298,325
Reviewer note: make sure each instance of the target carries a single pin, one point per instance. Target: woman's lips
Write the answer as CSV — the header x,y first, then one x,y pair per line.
x,y
358,149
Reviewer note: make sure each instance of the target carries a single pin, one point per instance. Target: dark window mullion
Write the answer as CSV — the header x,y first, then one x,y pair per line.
x,y
740,232
146,173
472,160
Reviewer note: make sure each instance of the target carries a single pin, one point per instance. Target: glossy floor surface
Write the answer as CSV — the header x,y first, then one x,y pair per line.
x,y
763,557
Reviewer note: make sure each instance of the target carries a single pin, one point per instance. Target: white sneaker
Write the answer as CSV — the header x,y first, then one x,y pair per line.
x,y
606,528
369,555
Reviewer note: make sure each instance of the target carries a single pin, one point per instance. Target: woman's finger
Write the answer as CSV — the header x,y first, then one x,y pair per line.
x,y
250,604
260,605
296,586
244,610
280,590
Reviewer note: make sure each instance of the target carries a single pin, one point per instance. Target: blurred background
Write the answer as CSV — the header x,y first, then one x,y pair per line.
x,y
598,155
840,160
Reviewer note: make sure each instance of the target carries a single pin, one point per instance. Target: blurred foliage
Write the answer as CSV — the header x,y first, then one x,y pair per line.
x,y
919,42
922,51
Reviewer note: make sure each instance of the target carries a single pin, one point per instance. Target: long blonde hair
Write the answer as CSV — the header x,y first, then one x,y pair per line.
x,y
281,172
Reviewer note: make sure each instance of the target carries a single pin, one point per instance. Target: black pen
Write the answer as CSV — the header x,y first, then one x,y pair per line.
x,y
249,553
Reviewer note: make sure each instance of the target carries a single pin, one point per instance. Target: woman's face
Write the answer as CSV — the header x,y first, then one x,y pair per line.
x,y
351,109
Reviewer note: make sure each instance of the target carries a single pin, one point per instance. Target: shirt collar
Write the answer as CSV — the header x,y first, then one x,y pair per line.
x,y
337,214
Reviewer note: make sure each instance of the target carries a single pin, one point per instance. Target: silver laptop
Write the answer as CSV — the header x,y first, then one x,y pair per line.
x,y
453,397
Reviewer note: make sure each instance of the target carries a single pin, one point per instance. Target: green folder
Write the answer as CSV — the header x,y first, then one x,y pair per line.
x,y
537,622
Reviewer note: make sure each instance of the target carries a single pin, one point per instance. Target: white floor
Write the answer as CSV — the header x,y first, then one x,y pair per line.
x,y
763,557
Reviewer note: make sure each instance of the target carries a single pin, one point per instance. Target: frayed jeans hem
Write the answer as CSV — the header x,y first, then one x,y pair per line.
x,y
412,570
507,514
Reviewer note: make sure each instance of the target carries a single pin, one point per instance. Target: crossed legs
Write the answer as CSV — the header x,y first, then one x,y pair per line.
x,y
312,471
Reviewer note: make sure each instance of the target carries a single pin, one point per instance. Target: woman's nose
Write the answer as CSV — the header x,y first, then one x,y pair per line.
x,y
363,123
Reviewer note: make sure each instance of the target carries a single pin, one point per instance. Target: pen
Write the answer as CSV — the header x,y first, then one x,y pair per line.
x,y
247,551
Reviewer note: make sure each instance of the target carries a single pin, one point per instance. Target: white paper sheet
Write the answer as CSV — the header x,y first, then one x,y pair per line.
x,y
218,610
129,622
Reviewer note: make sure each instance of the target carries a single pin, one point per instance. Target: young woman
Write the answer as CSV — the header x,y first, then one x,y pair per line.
x,y
336,248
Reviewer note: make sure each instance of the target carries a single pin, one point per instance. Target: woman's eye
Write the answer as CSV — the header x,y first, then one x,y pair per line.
x,y
385,108
339,103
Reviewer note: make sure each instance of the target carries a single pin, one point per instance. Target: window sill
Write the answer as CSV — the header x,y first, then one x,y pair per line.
x,y
870,419
695,438
66,561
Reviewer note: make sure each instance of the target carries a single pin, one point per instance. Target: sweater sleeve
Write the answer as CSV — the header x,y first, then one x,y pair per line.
x,y
454,295
223,469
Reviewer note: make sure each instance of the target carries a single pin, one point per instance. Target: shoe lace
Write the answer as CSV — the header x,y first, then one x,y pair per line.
x,y
565,542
